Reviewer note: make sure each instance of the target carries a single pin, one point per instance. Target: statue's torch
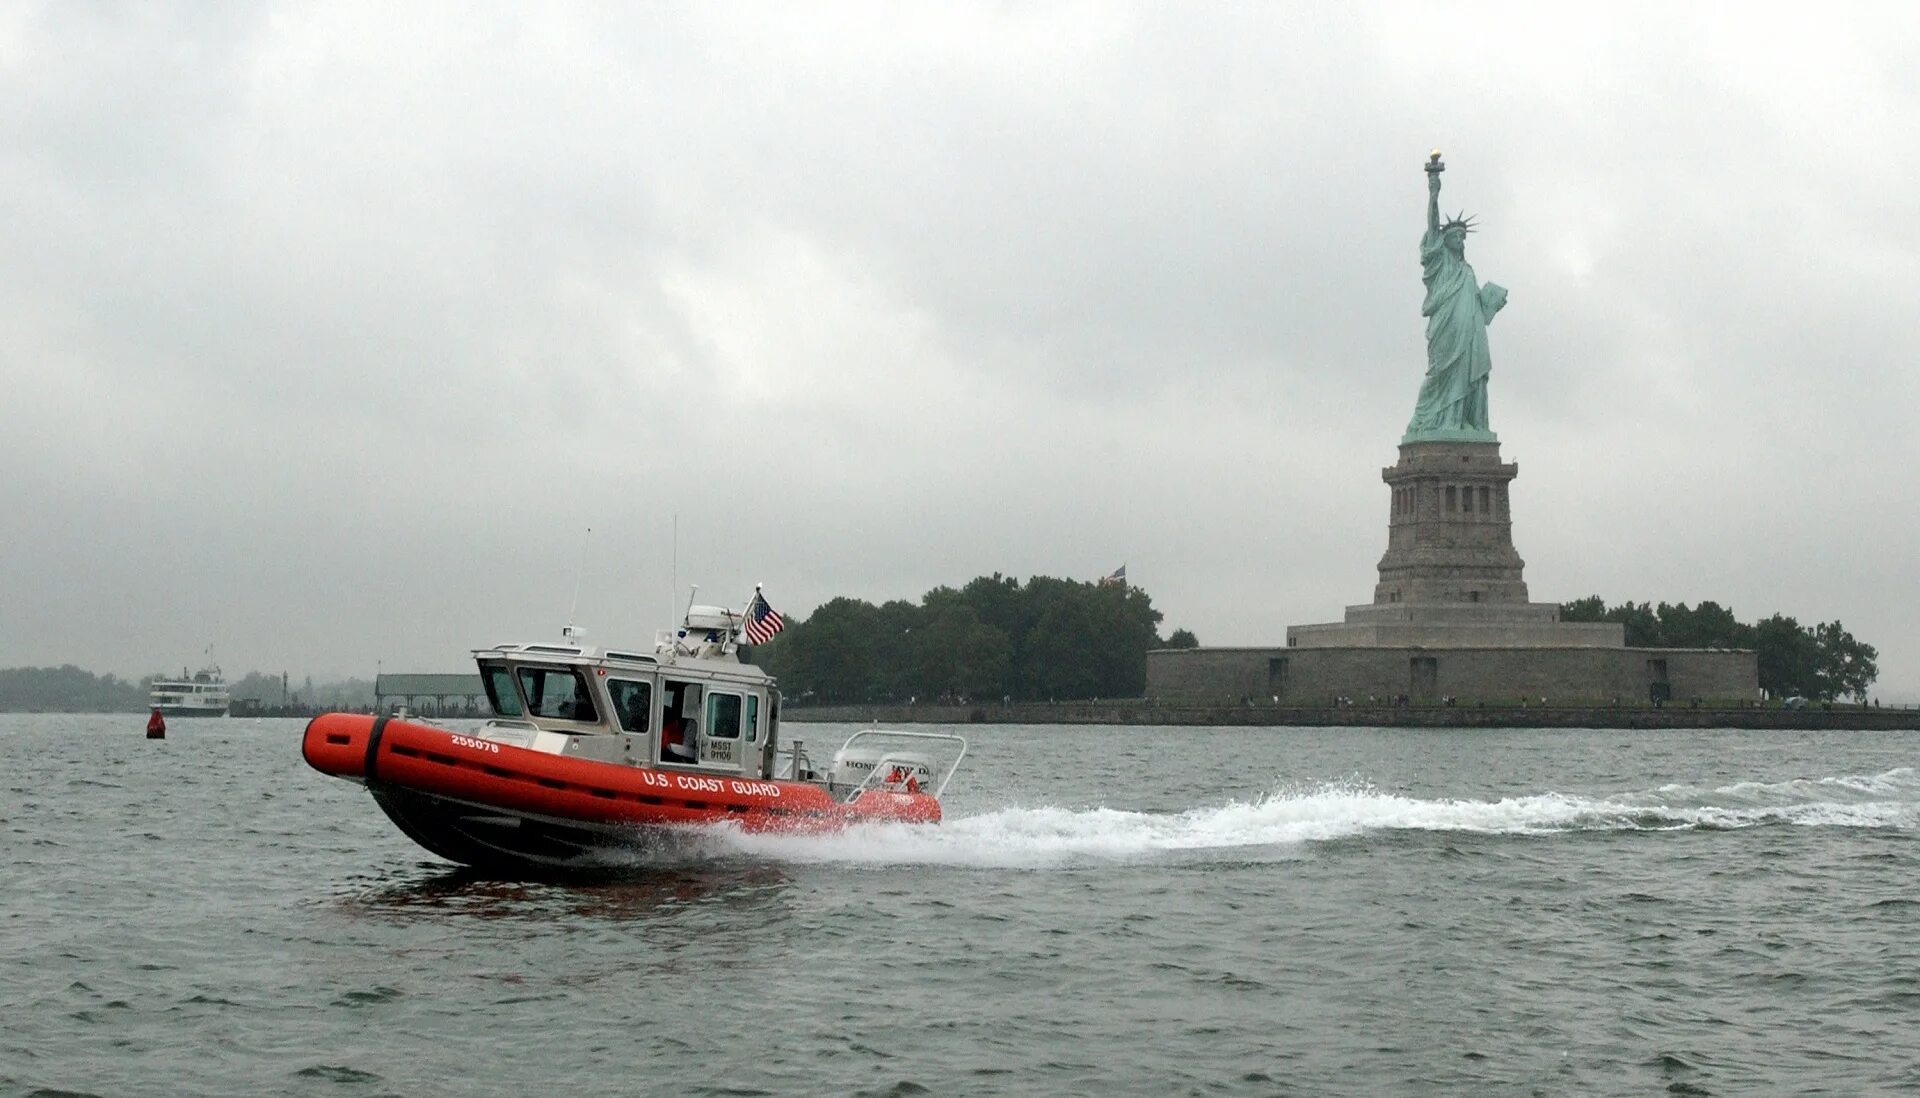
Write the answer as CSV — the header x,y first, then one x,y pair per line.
x,y
1434,167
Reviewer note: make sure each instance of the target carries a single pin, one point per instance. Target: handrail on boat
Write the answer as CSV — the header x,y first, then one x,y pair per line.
x,y
797,759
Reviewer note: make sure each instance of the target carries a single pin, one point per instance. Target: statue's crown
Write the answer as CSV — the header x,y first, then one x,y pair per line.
x,y
1459,221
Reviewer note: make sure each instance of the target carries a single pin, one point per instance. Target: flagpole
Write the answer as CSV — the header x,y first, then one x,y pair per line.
x,y
747,614
574,607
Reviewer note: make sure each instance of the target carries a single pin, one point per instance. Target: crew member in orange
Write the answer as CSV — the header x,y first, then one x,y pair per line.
x,y
673,738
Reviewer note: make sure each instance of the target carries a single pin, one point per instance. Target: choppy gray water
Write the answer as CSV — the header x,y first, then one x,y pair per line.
x,y
1107,910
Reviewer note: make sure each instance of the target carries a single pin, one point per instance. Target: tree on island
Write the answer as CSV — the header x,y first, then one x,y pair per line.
x,y
68,689
993,638
1823,662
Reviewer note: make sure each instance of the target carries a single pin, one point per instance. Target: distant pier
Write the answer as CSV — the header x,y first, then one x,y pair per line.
x,y
431,695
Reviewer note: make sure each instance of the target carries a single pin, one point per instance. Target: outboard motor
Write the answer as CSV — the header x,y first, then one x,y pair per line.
x,y
851,765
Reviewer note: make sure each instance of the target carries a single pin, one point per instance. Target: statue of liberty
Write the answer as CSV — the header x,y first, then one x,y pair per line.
x,y
1453,397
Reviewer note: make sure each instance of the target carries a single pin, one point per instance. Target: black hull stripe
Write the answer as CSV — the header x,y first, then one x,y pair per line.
x,y
373,746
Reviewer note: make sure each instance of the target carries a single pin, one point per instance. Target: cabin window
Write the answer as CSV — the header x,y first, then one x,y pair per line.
x,y
632,703
753,718
723,716
500,692
560,695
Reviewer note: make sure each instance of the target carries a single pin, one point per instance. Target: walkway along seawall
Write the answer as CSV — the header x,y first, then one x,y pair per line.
x,y
1812,718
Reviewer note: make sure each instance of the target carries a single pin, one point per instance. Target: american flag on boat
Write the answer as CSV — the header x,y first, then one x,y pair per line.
x,y
763,621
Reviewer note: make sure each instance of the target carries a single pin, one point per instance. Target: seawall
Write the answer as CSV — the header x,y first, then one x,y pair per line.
x,y
1137,712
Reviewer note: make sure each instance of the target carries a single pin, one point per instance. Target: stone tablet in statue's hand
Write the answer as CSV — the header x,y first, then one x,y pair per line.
x,y
1493,298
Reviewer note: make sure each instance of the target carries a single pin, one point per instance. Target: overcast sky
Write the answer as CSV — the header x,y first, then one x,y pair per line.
x,y
326,330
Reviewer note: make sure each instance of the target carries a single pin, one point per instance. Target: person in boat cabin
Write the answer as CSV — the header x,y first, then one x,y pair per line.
x,y
677,737
633,710
679,734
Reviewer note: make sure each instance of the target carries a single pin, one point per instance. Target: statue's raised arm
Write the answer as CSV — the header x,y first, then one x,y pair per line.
x,y
1434,168
1453,396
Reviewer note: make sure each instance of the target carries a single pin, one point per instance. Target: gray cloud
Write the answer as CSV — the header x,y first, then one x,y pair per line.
x,y
331,329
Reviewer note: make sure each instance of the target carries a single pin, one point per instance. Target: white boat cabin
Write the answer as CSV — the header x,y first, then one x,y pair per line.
x,y
695,707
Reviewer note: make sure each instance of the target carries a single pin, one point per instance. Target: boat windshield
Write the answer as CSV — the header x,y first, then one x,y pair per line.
x,y
500,692
632,701
561,695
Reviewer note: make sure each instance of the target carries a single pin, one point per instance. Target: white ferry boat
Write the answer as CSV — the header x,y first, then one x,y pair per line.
x,y
201,694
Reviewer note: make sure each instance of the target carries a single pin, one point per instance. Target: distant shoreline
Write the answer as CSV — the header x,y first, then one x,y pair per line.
x,y
1812,718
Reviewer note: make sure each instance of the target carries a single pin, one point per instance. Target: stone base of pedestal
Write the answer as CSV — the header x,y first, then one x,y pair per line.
x,y
1451,619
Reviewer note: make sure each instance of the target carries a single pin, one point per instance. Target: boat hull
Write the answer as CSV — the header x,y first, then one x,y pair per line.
x,y
499,840
496,806
191,711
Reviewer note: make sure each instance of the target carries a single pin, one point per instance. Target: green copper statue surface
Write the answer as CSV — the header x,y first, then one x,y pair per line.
x,y
1453,396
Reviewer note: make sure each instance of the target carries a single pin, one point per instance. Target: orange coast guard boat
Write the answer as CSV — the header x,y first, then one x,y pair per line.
x,y
593,750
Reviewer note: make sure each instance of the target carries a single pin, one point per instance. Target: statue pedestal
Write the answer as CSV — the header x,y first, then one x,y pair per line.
x,y
1449,434
1451,576
1444,625
1449,527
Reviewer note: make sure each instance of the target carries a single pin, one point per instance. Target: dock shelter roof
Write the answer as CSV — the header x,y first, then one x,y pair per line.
x,y
403,686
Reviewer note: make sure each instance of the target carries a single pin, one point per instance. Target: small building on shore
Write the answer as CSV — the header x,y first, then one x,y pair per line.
x,y
431,695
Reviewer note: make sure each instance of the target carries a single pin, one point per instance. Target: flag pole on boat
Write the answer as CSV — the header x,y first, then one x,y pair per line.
x,y
740,627
570,633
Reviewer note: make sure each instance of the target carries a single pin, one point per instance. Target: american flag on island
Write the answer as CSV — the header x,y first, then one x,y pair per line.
x,y
1117,579
763,621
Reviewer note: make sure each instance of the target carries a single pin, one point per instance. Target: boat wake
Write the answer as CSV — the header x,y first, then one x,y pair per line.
x,y
1276,824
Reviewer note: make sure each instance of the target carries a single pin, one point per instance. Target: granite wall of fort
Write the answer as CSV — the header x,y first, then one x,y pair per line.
x,y
1570,675
1140,712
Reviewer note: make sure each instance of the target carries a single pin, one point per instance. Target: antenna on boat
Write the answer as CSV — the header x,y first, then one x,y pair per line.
x,y
570,632
673,579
